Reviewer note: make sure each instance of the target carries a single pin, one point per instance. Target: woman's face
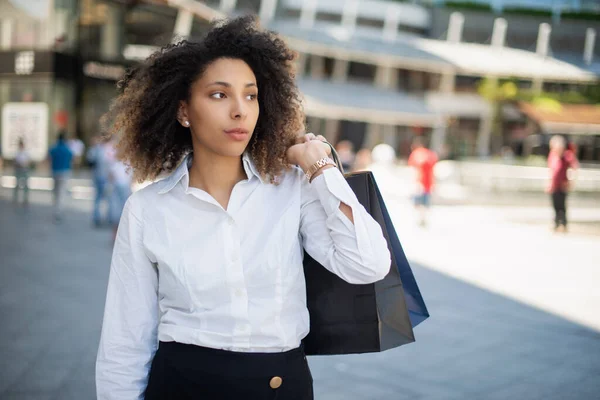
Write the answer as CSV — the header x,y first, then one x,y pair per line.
x,y
223,108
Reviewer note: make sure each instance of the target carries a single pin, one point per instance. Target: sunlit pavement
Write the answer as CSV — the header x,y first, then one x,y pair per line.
x,y
512,307
509,250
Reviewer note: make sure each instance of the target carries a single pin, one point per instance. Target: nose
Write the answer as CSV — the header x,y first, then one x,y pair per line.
x,y
239,109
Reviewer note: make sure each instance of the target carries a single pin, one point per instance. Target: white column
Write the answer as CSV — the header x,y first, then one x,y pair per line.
x,y
543,40
543,43
448,82
60,25
308,14
390,25
499,33
267,10
183,25
372,136
317,67
590,41
349,15
537,84
6,26
112,32
340,70
455,27
484,135
227,6
384,77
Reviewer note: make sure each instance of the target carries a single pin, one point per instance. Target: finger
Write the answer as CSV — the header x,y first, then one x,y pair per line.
x,y
300,140
309,136
321,138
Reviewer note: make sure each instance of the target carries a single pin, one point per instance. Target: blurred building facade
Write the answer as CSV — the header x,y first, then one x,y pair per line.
x,y
371,71
38,44
376,56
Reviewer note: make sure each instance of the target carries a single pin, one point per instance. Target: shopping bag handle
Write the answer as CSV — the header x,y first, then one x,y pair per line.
x,y
335,157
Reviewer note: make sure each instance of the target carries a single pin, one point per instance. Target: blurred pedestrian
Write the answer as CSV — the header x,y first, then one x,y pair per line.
x,y
345,150
423,161
22,165
560,161
61,159
98,159
120,179
77,148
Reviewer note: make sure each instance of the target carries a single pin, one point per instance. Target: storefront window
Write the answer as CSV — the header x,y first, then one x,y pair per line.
x,y
37,93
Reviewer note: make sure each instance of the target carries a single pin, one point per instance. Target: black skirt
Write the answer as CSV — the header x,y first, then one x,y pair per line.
x,y
183,371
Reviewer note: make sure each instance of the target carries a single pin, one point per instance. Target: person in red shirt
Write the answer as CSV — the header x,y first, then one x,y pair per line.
x,y
560,160
422,160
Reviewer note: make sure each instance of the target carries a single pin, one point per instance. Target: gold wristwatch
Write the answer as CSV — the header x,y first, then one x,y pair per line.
x,y
317,166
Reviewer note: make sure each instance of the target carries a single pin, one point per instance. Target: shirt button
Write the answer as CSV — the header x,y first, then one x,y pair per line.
x,y
230,221
239,292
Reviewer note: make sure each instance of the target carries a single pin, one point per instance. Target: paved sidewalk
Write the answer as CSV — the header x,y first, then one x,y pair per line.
x,y
476,345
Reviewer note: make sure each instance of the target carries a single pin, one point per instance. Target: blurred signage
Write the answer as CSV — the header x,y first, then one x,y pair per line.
x,y
98,70
27,121
24,62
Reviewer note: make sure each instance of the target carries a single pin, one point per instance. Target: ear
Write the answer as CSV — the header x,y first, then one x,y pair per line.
x,y
182,114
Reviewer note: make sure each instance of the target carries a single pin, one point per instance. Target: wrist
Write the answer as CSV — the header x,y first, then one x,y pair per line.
x,y
311,157
312,171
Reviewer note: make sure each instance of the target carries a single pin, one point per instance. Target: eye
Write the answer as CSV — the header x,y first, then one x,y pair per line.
x,y
252,96
218,95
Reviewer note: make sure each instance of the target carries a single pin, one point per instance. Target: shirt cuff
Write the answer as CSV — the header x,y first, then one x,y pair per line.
x,y
331,188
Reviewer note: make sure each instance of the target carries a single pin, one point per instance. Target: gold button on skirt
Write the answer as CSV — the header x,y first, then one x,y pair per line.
x,y
275,382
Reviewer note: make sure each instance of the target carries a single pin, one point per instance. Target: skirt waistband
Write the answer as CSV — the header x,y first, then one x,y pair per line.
x,y
217,361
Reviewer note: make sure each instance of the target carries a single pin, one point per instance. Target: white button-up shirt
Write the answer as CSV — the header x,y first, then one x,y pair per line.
x,y
184,269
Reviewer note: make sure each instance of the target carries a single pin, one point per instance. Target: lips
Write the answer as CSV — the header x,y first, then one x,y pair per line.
x,y
238,134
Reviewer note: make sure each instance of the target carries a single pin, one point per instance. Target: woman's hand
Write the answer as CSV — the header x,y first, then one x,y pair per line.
x,y
308,150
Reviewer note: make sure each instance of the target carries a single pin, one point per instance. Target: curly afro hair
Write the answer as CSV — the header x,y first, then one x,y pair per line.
x,y
144,115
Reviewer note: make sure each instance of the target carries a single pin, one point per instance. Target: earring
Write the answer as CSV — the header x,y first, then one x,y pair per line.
x,y
186,123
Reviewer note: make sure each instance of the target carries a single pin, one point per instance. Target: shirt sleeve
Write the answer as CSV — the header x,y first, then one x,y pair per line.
x,y
129,330
356,252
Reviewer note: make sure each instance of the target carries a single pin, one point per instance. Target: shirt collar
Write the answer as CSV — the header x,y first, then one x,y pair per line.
x,y
182,172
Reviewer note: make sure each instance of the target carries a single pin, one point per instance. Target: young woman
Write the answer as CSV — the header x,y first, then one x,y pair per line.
x,y
560,160
206,296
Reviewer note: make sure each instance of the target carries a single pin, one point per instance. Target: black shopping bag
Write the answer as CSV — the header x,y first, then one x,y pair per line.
x,y
346,318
